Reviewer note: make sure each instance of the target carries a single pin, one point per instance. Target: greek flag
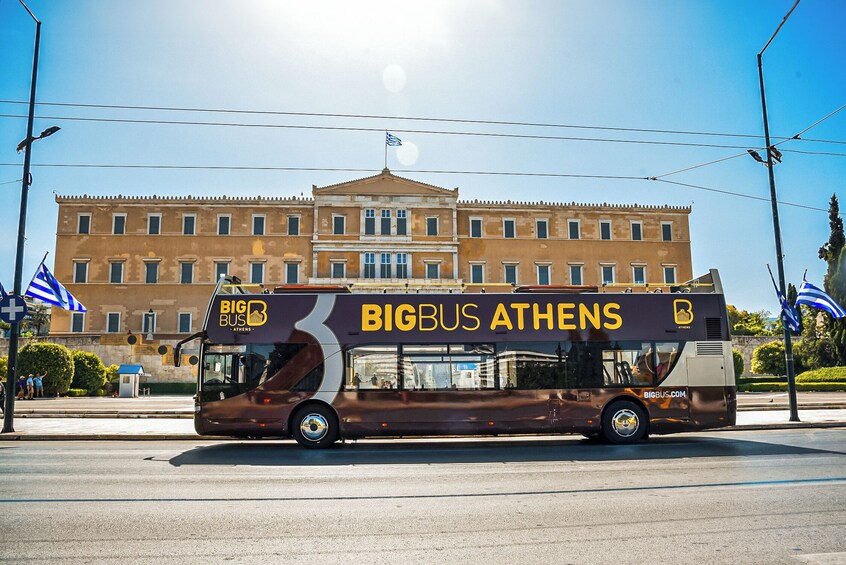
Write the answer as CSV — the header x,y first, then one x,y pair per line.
x,y
809,295
392,140
789,316
45,288
3,293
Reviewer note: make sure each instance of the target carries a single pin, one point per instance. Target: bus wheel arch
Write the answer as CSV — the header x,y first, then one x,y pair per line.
x,y
314,424
624,420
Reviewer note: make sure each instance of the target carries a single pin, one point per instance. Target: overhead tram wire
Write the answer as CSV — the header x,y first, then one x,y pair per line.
x,y
784,140
381,129
406,118
417,171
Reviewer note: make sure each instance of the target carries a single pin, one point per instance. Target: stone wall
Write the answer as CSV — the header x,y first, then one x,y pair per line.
x,y
747,344
114,350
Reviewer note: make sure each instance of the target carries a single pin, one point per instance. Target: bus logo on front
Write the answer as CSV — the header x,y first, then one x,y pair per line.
x,y
683,312
243,315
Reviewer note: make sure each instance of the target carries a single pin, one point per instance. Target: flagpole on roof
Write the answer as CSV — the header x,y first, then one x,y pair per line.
x,y
386,149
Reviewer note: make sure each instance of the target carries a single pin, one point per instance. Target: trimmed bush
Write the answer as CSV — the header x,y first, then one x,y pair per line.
x,y
89,373
737,357
172,388
4,367
76,392
50,357
826,375
801,387
769,359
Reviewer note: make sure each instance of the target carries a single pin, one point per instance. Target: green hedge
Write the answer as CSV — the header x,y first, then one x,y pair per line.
x,y
188,389
76,392
801,387
825,375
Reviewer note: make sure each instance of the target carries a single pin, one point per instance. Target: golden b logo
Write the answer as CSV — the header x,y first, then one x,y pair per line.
x,y
682,312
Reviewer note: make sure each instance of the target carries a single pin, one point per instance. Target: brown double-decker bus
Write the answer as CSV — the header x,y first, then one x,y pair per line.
x,y
322,363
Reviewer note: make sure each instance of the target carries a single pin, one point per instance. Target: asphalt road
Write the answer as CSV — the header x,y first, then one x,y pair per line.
x,y
776,496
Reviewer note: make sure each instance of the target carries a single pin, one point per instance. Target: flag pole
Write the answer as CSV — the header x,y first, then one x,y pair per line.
x,y
386,149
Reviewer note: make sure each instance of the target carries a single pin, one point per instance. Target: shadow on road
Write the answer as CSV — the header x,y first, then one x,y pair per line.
x,y
399,452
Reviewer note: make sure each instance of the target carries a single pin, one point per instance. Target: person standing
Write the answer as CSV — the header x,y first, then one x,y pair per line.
x,y
21,387
38,381
30,387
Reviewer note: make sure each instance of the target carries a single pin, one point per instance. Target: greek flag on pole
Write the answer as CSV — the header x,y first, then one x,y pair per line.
x,y
789,315
45,288
392,140
809,295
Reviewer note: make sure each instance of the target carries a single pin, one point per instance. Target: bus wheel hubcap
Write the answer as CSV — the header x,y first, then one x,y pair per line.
x,y
625,422
314,427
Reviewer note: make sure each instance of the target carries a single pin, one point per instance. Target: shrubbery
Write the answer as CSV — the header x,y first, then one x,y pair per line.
x,y
825,375
51,357
769,359
737,357
89,373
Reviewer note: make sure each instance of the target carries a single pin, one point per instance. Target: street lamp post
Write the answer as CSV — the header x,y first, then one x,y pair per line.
x,y
772,152
26,144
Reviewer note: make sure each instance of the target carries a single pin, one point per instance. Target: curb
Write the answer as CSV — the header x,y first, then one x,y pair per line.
x,y
195,437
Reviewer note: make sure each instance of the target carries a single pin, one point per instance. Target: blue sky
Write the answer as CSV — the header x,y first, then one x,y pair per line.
x,y
660,64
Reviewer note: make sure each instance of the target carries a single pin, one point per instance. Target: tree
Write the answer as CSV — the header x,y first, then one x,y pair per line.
x,y
751,323
835,278
769,359
831,250
737,357
50,357
89,373
38,319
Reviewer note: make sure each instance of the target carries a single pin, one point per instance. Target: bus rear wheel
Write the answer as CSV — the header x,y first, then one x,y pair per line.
x,y
624,422
315,426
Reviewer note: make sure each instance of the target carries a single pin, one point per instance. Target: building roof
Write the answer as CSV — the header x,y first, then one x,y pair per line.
x,y
385,183
131,370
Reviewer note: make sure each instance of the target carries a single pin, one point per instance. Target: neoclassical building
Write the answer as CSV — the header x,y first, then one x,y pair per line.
x,y
148,264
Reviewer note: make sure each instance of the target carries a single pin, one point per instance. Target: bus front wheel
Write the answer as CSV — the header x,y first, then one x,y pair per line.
x,y
315,426
624,422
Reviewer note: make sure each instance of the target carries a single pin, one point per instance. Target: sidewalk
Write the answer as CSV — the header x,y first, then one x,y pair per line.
x,y
156,425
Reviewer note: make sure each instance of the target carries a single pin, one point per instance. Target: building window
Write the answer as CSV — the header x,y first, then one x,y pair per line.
x,y
511,274
148,322
80,271
293,225
151,272
223,224
576,274
637,231
542,228
433,270
477,274
221,269
370,222
339,225
402,265
639,274
189,222
385,226
605,229
543,274
77,322
475,227
508,228
116,272
402,222
256,273
339,270
432,226
666,231
113,322
185,322
186,273
573,228
258,225
669,275
385,266
83,224
119,224
154,224
292,273
369,265
607,274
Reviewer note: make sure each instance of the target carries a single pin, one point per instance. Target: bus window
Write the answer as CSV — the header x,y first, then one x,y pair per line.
x,y
372,367
545,365
666,354
628,363
449,367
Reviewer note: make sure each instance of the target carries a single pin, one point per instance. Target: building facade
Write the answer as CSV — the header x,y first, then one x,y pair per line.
x,y
147,265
